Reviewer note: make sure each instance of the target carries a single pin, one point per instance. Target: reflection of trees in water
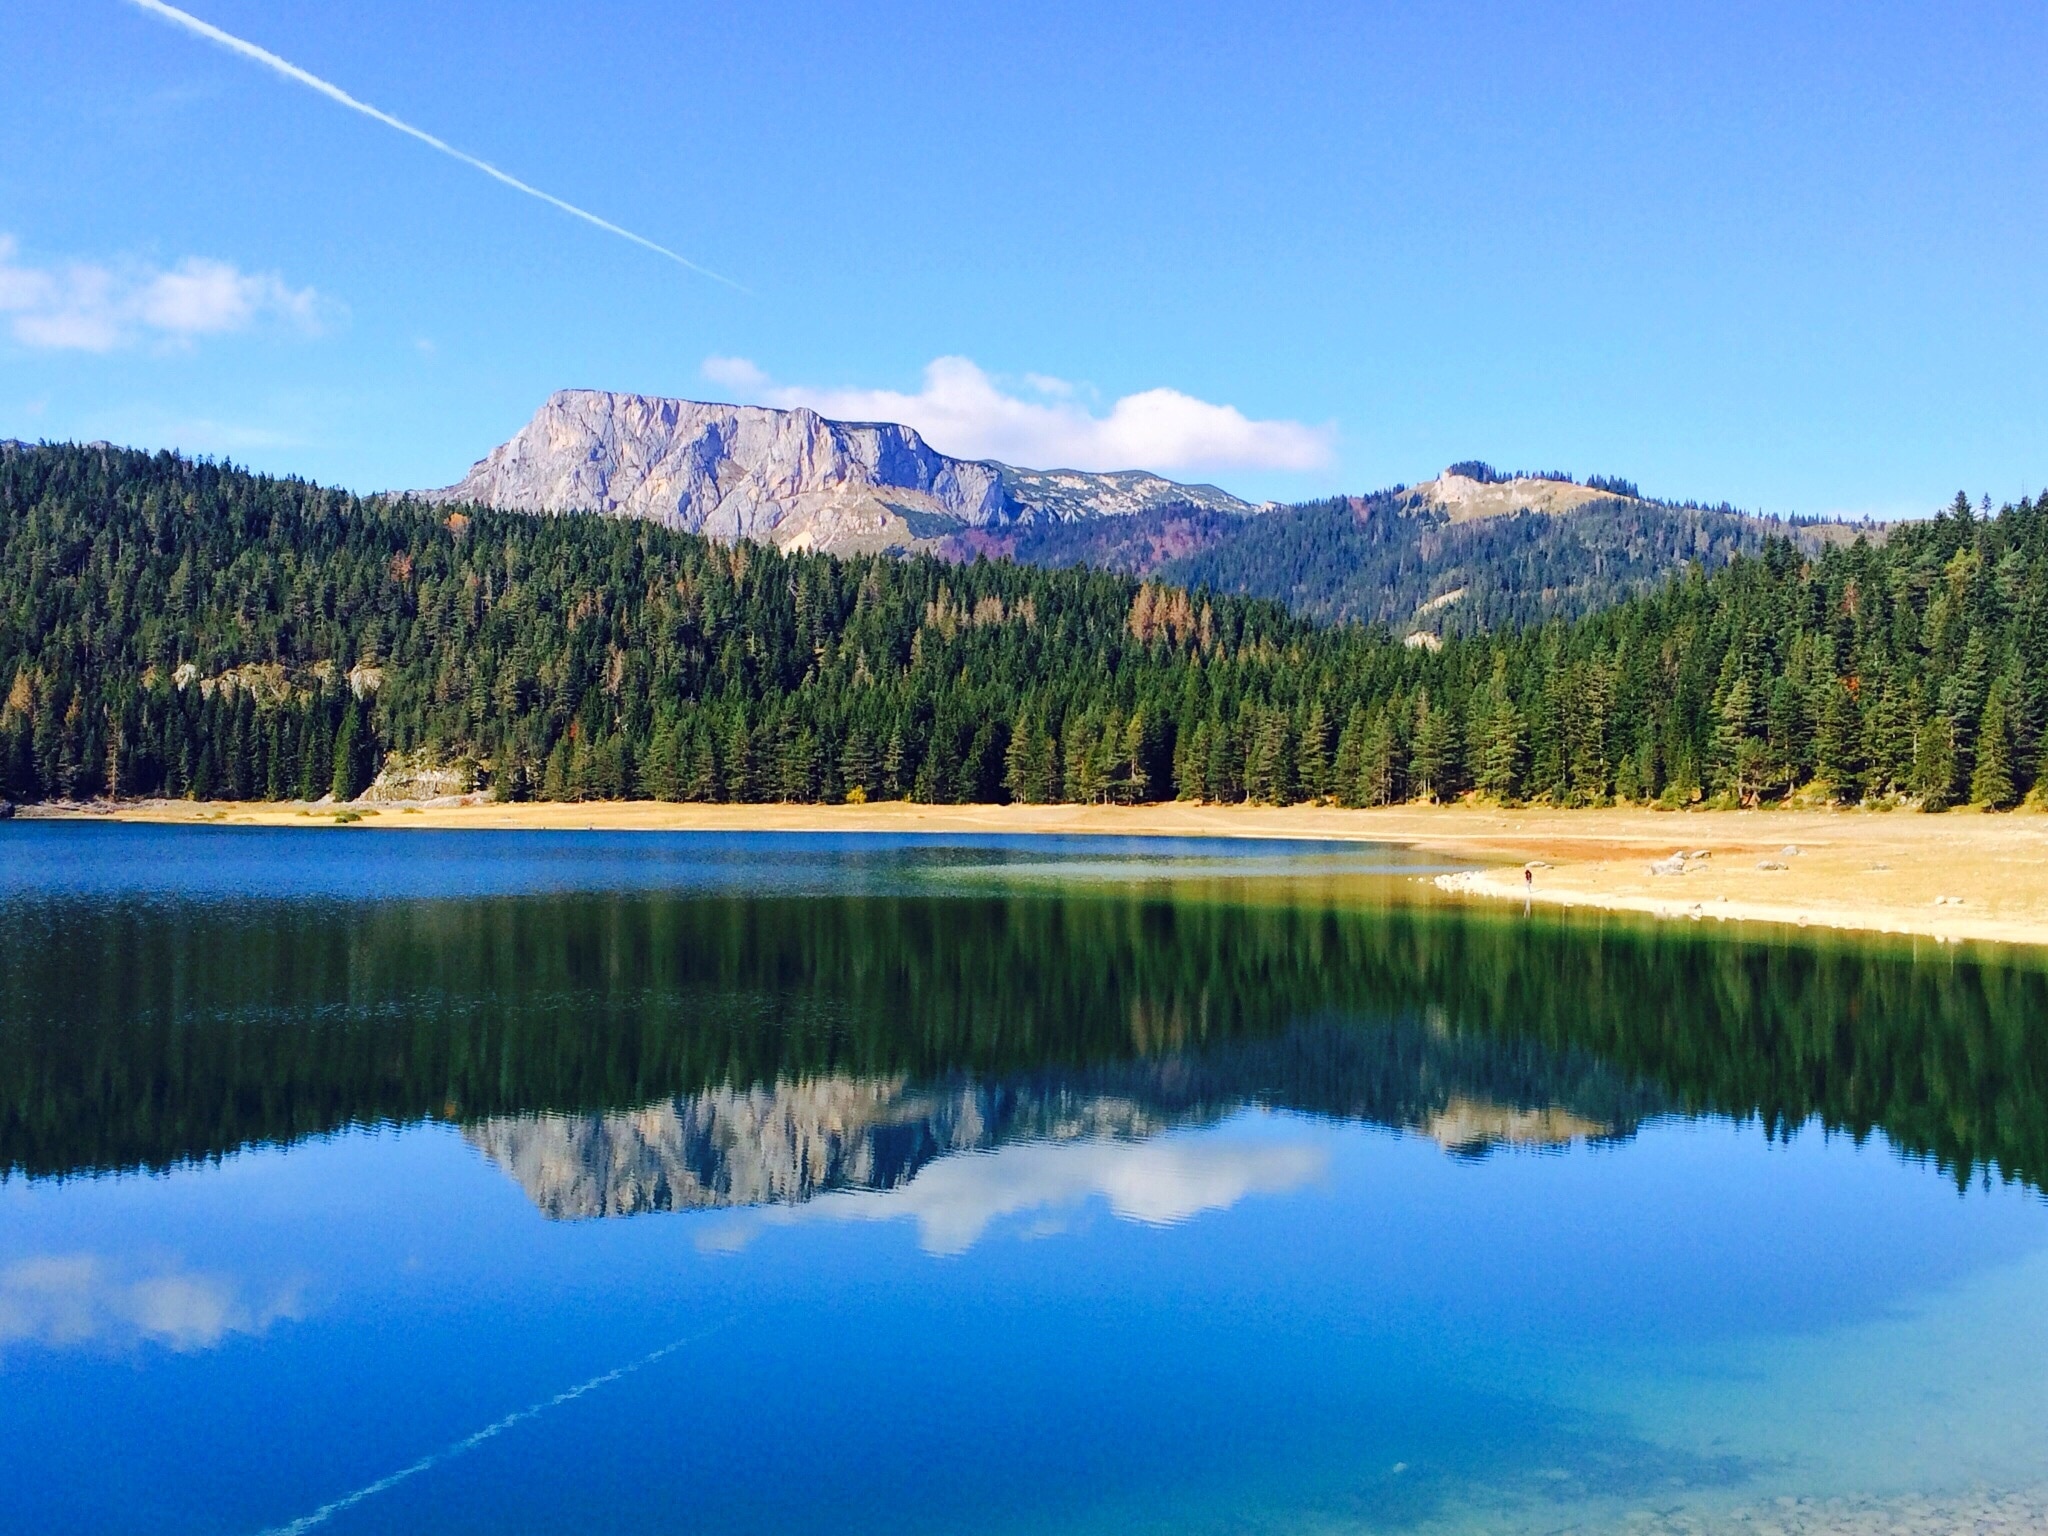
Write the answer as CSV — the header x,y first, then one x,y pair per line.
x,y
135,1036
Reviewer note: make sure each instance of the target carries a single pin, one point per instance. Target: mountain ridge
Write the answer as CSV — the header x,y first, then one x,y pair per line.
x,y
792,478
1467,550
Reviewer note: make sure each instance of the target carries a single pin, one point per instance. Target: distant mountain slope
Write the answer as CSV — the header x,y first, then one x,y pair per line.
x,y
1137,545
788,478
1454,554
1469,550
1389,558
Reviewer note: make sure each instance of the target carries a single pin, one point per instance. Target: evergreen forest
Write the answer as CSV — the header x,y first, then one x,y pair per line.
x,y
1389,558
1394,558
180,628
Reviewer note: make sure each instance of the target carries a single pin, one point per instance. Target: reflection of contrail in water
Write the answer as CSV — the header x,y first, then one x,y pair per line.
x,y
333,92
428,1462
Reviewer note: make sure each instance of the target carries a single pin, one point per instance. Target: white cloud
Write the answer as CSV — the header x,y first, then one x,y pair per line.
x,y
89,307
965,412
65,1301
1159,1182
1046,384
735,373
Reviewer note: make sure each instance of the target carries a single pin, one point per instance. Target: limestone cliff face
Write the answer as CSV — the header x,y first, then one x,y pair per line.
x,y
789,478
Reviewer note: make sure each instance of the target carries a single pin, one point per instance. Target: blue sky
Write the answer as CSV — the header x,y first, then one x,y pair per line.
x,y
1790,256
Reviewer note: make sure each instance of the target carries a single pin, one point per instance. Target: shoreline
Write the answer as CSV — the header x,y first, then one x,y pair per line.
x,y
1956,876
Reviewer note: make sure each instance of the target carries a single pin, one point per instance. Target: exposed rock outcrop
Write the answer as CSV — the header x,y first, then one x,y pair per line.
x,y
1465,498
789,478
417,776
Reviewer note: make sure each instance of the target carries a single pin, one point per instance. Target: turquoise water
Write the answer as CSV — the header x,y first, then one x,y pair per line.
x,y
367,1181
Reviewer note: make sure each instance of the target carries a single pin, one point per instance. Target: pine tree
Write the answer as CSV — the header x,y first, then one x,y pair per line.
x,y
1434,751
1382,768
703,780
1934,763
859,769
1590,688
316,753
1225,772
1140,749
1991,781
582,766
1081,766
277,771
1502,746
662,771
1344,769
741,763
1268,766
981,771
554,783
1838,748
349,780
936,774
800,763
895,759
1312,753
1740,757
512,782
1963,694
1888,742
1191,763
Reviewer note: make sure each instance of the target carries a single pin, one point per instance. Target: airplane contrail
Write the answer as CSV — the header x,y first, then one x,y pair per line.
x,y
291,71
433,1459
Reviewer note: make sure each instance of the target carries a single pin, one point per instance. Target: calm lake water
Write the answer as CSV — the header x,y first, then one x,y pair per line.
x,y
361,1181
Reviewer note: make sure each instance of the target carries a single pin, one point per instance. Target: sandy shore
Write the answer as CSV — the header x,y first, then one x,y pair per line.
x,y
1956,876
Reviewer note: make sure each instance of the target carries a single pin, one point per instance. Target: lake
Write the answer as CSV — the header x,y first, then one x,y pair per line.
x,y
372,1181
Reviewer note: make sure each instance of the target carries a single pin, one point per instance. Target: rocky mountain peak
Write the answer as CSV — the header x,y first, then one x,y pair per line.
x,y
787,477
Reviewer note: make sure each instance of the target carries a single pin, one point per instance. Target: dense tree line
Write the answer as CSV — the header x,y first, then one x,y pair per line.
x,y
188,629
227,1024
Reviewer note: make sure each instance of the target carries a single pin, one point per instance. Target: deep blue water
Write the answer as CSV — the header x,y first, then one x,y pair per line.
x,y
885,1184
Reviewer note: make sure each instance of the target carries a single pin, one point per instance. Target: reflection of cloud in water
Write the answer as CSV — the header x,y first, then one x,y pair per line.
x,y
72,1300
1158,1182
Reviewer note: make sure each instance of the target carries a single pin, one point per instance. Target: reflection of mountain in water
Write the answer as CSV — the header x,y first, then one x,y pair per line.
x,y
779,1144
790,1141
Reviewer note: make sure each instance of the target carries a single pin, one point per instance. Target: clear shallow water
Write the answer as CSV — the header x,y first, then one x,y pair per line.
x,y
519,1182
